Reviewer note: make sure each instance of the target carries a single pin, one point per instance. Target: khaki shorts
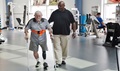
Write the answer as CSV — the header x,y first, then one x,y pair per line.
x,y
35,47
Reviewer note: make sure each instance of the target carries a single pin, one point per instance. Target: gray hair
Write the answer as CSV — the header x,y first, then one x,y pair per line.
x,y
38,12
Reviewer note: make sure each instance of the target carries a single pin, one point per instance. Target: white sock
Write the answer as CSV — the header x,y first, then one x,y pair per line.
x,y
44,60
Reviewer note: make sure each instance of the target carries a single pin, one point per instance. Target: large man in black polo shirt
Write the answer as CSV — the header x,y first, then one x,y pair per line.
x,y
62,19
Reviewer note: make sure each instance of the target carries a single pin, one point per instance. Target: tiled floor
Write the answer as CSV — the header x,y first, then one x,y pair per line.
x,y
85,54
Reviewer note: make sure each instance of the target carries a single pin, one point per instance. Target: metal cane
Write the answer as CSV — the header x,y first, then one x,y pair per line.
x,y
117,59
53,52
27,54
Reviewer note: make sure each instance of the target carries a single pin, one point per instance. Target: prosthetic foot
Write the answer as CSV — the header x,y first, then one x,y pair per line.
x,y
45,65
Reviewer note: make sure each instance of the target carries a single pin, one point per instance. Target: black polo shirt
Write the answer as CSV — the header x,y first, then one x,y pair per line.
x,y
62,21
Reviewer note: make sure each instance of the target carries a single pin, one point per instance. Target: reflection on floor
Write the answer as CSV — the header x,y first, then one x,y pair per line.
x,y
85,54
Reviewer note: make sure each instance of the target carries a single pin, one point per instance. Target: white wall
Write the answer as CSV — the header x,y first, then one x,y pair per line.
x,y
19,9
2,12
87,4
19,5
69,4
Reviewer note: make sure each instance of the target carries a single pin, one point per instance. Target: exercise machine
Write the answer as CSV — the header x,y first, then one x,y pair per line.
x,y
22,24
10,16
76,15
1,40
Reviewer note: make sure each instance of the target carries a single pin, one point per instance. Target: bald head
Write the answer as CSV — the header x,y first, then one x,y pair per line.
x,y
61,2
38,16
61,5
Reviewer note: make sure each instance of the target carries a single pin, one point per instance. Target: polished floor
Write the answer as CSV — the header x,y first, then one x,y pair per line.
x,y
85,54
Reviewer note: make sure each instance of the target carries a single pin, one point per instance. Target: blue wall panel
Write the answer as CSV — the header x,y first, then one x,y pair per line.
x,y
78,4
83,21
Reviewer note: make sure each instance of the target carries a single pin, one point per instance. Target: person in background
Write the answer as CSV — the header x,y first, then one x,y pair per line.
x,y
101,25
62,19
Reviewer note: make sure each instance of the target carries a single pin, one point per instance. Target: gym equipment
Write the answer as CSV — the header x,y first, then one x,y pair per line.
x,y
112,34
1,40
76,15
82,28
24,14
90,26
22,24
10,17
113,30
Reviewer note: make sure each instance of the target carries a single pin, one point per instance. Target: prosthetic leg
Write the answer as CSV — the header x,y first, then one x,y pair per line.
x,y
44,57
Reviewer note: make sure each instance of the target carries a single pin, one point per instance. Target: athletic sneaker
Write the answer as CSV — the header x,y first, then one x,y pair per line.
x,y
63,63
38,64
45,65
58,65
